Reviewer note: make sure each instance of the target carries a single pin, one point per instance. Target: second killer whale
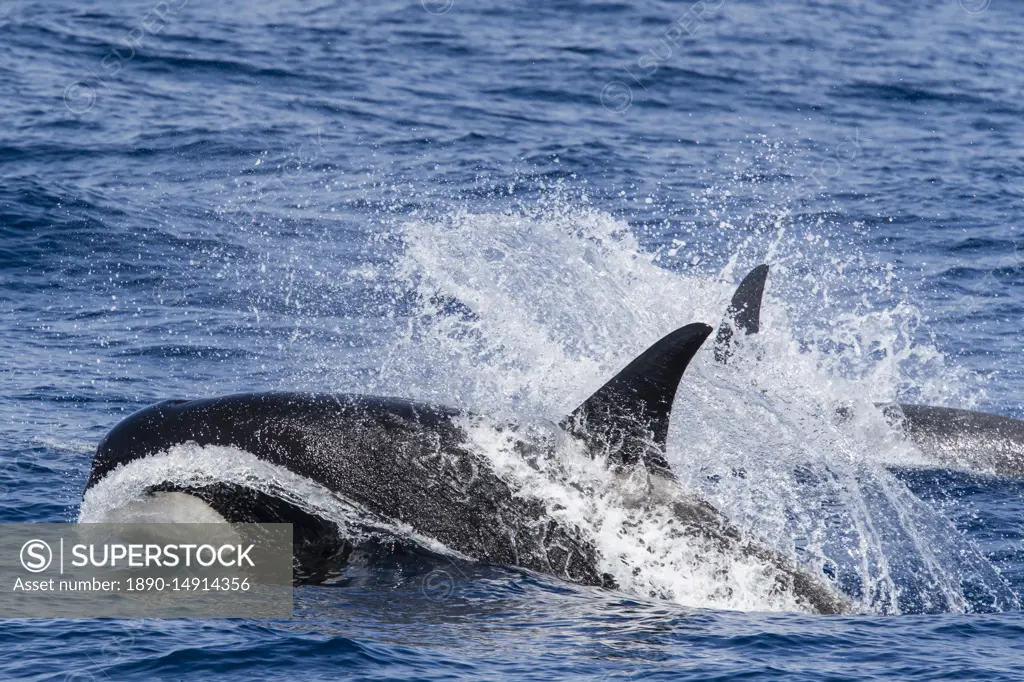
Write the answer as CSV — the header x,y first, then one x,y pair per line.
x,y
977,442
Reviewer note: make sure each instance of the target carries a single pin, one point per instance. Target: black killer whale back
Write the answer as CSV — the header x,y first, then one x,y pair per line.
x,y
626,419
406,461
399,461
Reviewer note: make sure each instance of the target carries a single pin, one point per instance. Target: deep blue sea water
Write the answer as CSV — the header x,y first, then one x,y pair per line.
x,y
496,205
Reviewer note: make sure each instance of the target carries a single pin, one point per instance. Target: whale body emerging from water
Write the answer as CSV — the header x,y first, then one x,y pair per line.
x,y
408,464
950,437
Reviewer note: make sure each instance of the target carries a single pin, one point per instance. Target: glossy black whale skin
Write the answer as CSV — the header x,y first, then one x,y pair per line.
x,y
400,460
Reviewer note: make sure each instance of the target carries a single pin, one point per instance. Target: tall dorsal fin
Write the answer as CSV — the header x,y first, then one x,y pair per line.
x,y
744,313
628,417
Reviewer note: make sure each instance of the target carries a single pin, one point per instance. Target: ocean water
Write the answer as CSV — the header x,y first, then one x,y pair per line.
x,y
496,206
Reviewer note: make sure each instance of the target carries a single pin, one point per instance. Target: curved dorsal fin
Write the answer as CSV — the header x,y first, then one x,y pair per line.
x,y
628,416
744,313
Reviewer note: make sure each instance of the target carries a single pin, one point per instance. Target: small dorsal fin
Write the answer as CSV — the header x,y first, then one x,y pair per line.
x,y
744,313
628,417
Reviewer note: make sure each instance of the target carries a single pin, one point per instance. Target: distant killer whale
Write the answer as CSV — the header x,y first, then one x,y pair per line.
x,y
955,438
410,463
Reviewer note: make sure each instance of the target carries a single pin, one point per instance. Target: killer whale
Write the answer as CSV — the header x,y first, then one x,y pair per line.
x,y
956,438
963,439
408,462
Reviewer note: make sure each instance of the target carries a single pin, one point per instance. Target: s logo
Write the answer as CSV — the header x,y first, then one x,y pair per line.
x,y
36,556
